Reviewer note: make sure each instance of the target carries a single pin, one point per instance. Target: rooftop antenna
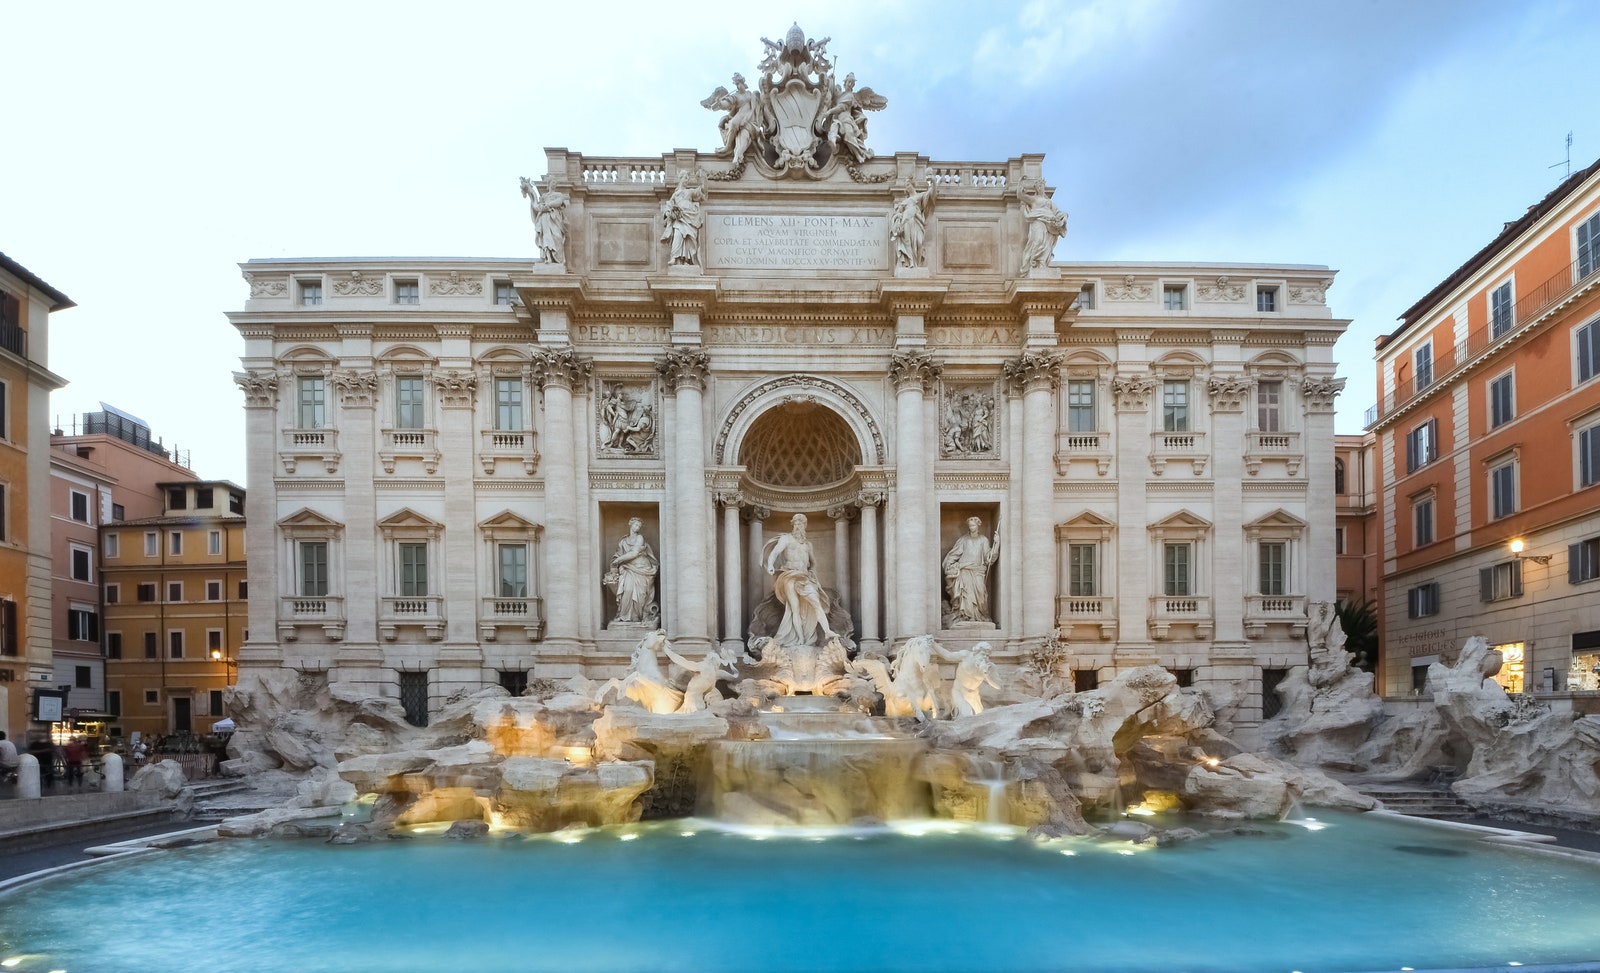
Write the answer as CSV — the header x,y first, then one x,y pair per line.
x,y
1567,163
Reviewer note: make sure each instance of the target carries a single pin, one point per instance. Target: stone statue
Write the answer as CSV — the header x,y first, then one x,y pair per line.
x,y
909,687
908,222
549,213
632,578
846,118
747,118
794,583
968,423
681,222
625,421
974,669
1046,225
966,574
644,682
702,689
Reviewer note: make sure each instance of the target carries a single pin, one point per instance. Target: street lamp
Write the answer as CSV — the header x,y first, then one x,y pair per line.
x,y
1517,547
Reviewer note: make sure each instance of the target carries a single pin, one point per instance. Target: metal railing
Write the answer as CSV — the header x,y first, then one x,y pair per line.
x,y
1482,340
14,338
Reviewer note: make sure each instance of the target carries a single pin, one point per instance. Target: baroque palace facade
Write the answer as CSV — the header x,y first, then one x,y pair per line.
x,y
467,471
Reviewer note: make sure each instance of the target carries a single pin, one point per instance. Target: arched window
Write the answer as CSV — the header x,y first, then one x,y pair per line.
x,y
1338,477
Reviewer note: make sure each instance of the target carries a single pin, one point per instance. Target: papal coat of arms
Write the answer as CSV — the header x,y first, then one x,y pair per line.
x,y
798,118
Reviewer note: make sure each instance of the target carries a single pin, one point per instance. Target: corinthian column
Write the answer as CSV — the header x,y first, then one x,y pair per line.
x,y
869,566
912,374
732,573
260,388
1036,374
557,371
684,372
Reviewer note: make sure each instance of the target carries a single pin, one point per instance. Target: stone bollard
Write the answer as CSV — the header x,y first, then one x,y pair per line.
x,y
28,776
111,769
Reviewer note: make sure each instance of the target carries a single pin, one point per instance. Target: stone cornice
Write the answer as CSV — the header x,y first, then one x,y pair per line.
x,y
912,296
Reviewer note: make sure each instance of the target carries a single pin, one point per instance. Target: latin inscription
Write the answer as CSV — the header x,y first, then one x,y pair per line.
x,y
621,334
797,335
794,242
947,336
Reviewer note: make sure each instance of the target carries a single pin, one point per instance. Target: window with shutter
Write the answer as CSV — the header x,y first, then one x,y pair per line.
x,y
1589,245
1500,310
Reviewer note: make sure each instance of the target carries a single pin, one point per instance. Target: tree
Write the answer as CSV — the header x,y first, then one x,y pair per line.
x,y
1360,624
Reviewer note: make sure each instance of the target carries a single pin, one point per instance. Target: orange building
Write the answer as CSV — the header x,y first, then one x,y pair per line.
x,y
1488,456
175,600
26,382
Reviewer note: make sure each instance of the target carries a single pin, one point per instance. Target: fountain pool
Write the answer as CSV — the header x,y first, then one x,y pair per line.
x,y
1351,892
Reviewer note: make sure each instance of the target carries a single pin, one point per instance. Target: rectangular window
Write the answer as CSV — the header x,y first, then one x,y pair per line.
x,y
174,591
177,499
1173,297
114,702
213,591
175,644
1338,541
1085,299
508,403
314,568
1583,561
1175,406
1176,569
213,542
1500,310
81,557
146,591
1423,600
175,543
244,591
1589,246
1274,568
1589,456
10,644
235,503
1501,404
152,545
83,625
1422,522
1082,576
407,292
413,570
408,402
1424,366
1422,445
152,697
1269,406
1500,581
1085,680
118,512
216,702
80,507
312,402
504,294
151,644
1503,489
513,570
1588,351
213,639
82,677
1080,406
414,697
113,645
310,292
514,681
1266,299
113,594
113,545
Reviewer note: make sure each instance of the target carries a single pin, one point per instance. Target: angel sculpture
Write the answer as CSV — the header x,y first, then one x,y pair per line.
x,y
746,120
549,213
846,118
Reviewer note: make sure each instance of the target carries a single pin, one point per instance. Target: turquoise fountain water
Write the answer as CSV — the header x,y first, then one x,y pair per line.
x,y
1346,893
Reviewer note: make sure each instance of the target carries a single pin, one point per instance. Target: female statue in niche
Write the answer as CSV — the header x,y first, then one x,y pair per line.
x,y
632,578
966,574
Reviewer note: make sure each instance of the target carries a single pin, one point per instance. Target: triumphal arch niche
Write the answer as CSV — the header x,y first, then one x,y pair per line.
x,y
792,382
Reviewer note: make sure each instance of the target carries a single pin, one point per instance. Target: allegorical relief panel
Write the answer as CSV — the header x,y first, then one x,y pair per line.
x,y
967,421
626,420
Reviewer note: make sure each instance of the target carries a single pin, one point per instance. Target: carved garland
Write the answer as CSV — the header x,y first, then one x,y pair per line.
x,y
358,286
801,382
455,284
266,286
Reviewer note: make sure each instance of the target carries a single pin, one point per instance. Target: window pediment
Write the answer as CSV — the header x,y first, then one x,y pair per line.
x,y
506,522
408,519
1279,518
1182,520
307,519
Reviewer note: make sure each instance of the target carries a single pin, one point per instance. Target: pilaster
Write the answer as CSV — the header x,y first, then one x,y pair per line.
x,y
558,371
1037,376
684,373
913,373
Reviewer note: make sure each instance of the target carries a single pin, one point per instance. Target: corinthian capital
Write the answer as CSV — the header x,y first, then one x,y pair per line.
x,y
1032,370
914,369
1319,393
684,369
560,367
355,388
456,387
260,388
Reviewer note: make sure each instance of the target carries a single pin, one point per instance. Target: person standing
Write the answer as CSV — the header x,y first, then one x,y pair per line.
x,y
9,758
75,753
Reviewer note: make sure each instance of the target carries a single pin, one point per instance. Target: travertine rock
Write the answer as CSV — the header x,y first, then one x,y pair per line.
x,y
545,794
163,780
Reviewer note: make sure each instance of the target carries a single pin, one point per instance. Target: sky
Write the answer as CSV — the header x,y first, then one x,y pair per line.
x,y
154,146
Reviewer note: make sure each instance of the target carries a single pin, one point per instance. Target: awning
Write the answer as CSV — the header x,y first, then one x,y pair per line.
x,y
93,716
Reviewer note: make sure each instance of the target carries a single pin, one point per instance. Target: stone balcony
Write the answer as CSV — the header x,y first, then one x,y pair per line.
x,y
512,445
1086,446
1187,610
298,446
1261,446
1087,611
1261,611
420,444
524,613
1165,447
426,611
304,611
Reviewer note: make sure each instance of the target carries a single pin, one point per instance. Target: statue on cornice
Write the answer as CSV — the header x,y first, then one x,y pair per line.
x,y
681,220
908,222
748,118
1046,225
847,117
549,212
